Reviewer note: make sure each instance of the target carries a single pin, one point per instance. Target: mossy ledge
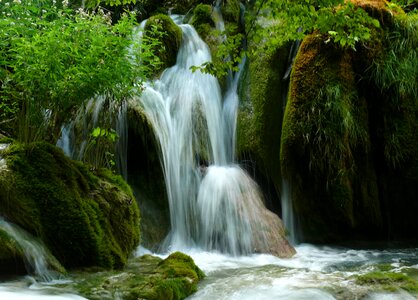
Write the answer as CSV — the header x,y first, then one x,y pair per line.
x,y
389,281
85,218
169,35
146,277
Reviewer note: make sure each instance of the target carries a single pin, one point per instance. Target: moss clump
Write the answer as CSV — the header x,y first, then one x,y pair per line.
x,y
202,20
85,219
231,11
169,35
389,281
147,277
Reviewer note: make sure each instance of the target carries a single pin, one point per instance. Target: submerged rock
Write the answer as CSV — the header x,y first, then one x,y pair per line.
x,y
85,218
270,237
146,277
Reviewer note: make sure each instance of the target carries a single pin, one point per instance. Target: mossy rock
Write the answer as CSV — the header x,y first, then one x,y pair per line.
x,y
231,11
347,141
202,20
325,145
84,218
146,277
391,90
260,117
389,281
169,35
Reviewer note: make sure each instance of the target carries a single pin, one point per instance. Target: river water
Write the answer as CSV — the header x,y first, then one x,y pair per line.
x,y
315,272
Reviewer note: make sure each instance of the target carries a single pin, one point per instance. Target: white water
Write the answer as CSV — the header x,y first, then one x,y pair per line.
x,y
317,273
314,273
35,253
287,213
213,203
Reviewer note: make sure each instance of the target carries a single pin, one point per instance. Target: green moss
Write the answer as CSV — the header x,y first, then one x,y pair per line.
x,y
231,11
325,145
202,20
261,111
169,34
389,281
85,219
146,277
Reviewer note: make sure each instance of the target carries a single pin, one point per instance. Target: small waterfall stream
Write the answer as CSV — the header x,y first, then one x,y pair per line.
x,y
35,253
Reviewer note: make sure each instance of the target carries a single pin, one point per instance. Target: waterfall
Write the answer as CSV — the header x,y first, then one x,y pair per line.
x,y
213,203
122,142
35,253
288,216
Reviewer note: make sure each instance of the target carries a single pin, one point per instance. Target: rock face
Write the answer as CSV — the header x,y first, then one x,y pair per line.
x,y
273,233
260,120
84,218
347,144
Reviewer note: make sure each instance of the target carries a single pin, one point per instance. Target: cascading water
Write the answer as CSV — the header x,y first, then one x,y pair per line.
x,y
213,203
35,254
288,216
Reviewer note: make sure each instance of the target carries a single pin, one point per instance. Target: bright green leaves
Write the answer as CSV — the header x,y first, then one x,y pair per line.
x,y
108,134
342,23
348,25
96,3
228,53
53,59
100,148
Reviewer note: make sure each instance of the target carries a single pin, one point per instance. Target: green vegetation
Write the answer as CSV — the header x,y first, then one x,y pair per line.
x,y
348,131
146,277
85,218
341,22
389,281
202,20
394,71
53,59
261,111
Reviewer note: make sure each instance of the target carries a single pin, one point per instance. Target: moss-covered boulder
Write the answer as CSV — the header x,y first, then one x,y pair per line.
x,y
347,144
325,144
168,34
85,218
389,281
146,277
202,20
